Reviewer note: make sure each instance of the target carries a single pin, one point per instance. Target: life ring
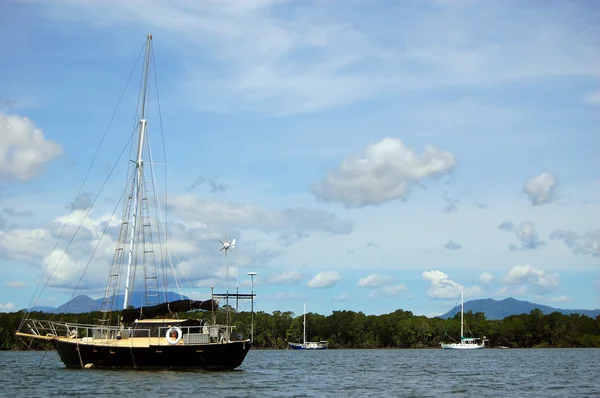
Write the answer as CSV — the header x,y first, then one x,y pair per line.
x,y
173,335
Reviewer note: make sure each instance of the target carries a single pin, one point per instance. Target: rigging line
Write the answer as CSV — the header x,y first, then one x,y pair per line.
x,y
92,256
162,136
91,165
452,317
85,216
43,357
158,215
127,193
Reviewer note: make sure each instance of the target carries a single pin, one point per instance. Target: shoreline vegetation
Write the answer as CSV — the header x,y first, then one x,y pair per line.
x,y
355,330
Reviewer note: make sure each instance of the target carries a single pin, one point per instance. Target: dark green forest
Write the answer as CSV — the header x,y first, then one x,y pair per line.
x,y
349,329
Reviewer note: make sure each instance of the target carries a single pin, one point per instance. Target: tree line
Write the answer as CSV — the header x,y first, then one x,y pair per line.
x,y
349,329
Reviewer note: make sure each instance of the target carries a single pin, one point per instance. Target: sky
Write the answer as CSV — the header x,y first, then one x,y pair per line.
x,y
365,155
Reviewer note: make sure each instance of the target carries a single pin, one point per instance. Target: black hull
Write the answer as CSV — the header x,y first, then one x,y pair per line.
x,y
202,356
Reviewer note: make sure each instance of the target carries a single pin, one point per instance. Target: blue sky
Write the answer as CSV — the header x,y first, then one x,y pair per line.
x,y
366,155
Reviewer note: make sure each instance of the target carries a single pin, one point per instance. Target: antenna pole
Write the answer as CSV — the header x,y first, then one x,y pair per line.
x,y
462,311
304,323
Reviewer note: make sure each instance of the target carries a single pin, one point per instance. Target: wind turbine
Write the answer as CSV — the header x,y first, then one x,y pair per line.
x,y
227,245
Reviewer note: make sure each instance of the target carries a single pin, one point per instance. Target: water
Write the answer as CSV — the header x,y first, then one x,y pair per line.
x,y
329,373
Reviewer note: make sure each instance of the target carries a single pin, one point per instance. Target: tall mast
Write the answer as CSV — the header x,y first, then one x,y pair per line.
x,y
139,164
462,310
304,323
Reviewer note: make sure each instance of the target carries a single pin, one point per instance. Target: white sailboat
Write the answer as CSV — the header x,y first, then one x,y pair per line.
x,y
308,345
465,343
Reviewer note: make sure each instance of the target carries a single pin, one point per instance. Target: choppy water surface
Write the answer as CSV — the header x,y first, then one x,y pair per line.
x,y
329,373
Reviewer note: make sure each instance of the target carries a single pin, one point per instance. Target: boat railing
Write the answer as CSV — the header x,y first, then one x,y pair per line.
x,y
107,335
189,335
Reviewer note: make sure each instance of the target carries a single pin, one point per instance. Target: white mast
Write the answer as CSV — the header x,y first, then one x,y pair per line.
x,y
462,310
304,324
139,164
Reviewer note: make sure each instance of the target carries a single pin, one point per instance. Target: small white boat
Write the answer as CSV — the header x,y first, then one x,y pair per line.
x,y
308,345
465,343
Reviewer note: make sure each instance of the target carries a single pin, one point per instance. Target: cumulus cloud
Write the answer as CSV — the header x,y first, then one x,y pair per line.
x,y
6,307
288,277
441,286
387,291
450,245
374,280
525,233
537,280
15,284
486,278
541,189
24,151
324,279
386,172
587,244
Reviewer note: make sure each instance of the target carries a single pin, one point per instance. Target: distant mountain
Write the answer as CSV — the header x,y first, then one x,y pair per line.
x,y
83,303
494,309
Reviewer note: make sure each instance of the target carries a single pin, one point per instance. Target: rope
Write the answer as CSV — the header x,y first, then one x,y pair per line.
x,y
448,322
92,256
33,303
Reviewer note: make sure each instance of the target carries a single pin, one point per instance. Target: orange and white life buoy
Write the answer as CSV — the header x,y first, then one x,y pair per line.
x,y
173,335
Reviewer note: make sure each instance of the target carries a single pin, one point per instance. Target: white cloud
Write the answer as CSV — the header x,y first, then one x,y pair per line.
x,y
387,291
486,278
541,189
324,279
6,307
287,277
24,150
560,299
290,58
441,286
374,280
526,233
527,276
586,244
291,224
386,172
15,284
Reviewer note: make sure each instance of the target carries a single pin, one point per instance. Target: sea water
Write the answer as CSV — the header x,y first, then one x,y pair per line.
x,y
325,373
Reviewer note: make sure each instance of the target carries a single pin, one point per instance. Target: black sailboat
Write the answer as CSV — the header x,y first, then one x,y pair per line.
x,y
151,336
